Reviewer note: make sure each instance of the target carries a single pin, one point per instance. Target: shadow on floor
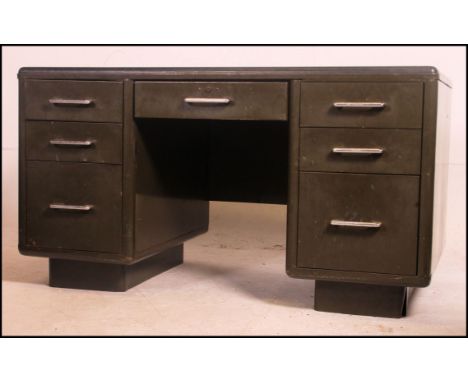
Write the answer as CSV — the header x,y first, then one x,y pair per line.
x,y
24,269
411,294
262,284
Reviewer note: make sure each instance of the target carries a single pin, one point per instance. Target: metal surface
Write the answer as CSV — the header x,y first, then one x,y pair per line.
x,y
359,105
70,102
78,185
357,151
102,142
63,142
293,176
354,224
170,197
209,101
402,153
66,273
71,207
254,101
403,104
392,199
329,74
81,101
363,299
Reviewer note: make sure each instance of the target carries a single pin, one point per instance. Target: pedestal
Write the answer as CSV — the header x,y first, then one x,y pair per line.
x,y
362,299
111,277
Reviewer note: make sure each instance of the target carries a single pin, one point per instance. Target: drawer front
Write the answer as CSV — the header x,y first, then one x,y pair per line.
x,y
92,193
330,202
74,141
93,101
358,104
385,151
212,100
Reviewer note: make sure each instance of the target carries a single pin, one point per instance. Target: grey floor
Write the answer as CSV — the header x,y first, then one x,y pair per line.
x,y
232,282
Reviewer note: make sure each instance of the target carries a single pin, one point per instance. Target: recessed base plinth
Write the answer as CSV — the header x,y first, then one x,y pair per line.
x,y
111,277
362,299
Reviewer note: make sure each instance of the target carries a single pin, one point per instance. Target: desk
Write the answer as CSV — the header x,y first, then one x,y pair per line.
x,y
117,168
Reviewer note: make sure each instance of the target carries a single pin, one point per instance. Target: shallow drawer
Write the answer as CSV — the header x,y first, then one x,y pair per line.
x,y
94,101
334,211
386,151
74,141
359,104
212,100
74,206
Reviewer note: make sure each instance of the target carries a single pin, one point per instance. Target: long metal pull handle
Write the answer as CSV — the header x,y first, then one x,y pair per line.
x,y
63,142
357,151
355,224
208,101
71,102
71,207
359,105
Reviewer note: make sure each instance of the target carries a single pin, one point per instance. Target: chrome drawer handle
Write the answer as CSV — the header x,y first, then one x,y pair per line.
x,y
71,102
71,207
349,223
63,142
357,151
208,101
359,105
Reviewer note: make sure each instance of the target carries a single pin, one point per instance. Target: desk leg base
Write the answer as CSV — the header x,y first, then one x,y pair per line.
x,y
110,277
362,299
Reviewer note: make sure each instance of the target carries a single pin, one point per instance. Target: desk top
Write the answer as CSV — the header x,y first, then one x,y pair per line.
x,y
383,73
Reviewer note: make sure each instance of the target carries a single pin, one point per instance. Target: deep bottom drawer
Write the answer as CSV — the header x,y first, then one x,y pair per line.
x,y
329,202
74,206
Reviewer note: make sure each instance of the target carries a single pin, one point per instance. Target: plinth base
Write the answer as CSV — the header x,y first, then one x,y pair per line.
x,y
111,277
362,299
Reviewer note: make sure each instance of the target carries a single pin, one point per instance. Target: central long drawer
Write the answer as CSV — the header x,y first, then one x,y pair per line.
x,y
212,100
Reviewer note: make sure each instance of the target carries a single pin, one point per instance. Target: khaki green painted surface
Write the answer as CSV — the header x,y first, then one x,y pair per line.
x,y
389,199
401,150
247,100
71,183
105,97
106,141
402,110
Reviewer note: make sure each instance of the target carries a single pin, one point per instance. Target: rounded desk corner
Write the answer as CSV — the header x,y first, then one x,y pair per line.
x,y
425,281
21,249
22,72
293,272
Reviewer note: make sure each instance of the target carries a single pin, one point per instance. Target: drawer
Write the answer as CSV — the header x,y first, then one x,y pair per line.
x,y
94,101
332,208
92,193
212,100
362,104
74,141
385,151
